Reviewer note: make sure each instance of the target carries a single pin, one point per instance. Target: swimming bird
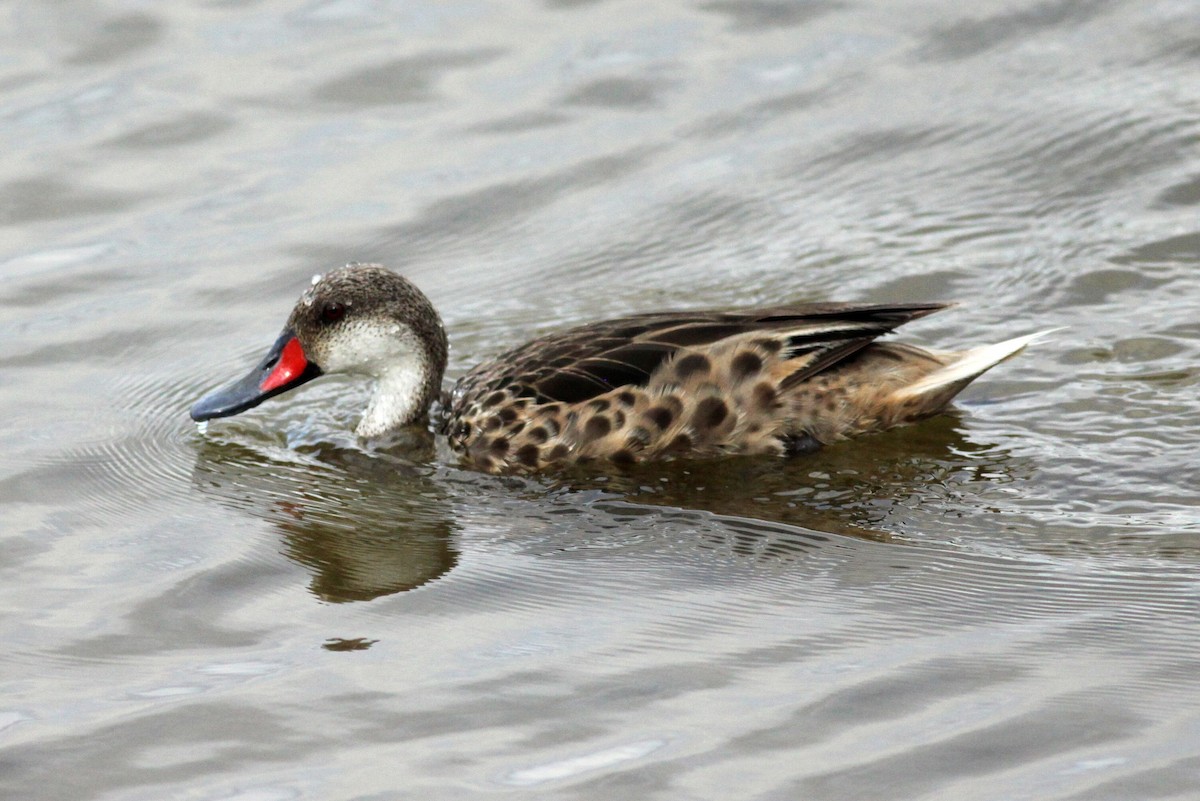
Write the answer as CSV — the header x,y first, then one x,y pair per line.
x,y
779,380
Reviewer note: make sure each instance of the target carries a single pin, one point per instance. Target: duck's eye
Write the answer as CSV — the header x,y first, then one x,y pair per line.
x,y
333,313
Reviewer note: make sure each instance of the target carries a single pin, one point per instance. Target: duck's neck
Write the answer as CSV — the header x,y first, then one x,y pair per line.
x,y
402,397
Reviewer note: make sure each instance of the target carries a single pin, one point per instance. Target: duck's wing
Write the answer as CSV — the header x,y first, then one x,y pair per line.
x,y
580,363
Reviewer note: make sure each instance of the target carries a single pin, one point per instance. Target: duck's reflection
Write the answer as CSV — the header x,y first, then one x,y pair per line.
x,y
365,525
855,488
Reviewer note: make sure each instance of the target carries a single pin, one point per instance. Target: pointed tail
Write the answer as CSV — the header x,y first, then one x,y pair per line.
x,y
944,383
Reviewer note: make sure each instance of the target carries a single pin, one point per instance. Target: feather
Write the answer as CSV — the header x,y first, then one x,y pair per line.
x,y
583,362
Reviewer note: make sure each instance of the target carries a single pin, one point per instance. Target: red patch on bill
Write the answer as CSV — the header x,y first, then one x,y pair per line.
x,y
291,364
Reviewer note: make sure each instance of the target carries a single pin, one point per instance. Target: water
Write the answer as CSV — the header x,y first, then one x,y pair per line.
x,y
997,604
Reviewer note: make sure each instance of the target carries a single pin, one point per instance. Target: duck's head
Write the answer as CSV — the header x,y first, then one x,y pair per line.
x,y
363,319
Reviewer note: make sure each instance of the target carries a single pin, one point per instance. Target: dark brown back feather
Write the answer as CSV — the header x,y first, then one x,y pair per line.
x,y
580,363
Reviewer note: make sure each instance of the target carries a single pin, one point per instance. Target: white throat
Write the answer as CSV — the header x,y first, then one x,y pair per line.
x,y
390,352
396,400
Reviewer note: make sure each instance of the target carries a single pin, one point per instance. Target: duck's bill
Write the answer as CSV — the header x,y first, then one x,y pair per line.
x,y
284,367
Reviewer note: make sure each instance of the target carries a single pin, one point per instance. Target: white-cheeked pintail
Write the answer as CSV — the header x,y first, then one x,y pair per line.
x,y
779,380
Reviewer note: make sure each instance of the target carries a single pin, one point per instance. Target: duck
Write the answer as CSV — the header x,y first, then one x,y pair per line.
x,y
782,380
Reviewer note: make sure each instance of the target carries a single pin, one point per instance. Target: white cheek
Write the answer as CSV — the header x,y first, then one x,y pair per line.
x,y
370,348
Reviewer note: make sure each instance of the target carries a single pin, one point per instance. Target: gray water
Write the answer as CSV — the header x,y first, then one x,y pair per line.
x,y
1001,603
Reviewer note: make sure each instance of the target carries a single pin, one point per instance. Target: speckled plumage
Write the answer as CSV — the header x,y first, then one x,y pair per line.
x,y
650,386
690,384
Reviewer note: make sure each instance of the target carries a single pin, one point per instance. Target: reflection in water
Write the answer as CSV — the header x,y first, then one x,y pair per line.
x,y
373,523
856,488
366,525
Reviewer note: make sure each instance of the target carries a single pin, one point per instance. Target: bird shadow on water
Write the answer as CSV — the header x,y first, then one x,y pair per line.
x,y
369,523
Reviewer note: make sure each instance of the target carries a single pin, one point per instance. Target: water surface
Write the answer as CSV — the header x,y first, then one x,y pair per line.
x,y
1000,603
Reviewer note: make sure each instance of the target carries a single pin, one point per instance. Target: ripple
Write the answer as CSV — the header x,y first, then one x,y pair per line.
x,y
971,37
616,93
757,16
405,80
1000,602
116,38
187,128
141,461
51,198
571,767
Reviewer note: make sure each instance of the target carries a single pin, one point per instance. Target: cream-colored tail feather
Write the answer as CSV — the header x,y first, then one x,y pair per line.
x,y
948,381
